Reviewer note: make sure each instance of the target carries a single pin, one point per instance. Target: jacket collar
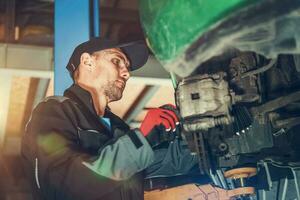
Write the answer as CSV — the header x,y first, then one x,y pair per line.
x,y
81,96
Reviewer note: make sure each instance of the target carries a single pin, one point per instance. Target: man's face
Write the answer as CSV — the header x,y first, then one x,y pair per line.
x,y
111,72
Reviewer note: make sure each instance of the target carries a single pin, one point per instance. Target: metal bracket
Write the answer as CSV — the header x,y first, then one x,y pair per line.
x,y
259,112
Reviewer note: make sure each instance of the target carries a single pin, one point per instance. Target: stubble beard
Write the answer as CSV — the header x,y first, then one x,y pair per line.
x,y
113,92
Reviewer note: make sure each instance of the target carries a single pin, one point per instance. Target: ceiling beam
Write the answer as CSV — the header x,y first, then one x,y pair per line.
x,y
28,73
17,56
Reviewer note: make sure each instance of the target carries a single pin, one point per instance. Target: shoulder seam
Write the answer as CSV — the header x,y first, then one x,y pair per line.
x,y
59,99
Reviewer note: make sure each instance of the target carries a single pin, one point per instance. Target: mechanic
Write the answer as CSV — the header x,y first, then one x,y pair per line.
x,y
75,148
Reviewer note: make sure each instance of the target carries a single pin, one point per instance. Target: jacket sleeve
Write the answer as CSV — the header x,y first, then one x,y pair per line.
x,y
60,168
122,159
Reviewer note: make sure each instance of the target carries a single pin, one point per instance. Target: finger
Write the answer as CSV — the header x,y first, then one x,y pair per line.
x,y
169,119
173,115
166,124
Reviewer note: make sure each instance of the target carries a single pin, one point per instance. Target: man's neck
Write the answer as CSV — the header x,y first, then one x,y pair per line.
x,y
100,100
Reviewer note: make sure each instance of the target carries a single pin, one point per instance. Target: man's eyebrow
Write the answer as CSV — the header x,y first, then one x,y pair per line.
x,y
118,54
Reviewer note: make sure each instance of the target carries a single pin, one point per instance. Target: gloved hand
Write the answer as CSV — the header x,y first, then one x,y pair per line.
x,y
160,124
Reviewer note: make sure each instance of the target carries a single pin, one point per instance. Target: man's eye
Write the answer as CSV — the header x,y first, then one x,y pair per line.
x,y
115,61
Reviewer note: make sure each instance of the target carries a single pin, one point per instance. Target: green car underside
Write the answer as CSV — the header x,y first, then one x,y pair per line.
x,y
173,25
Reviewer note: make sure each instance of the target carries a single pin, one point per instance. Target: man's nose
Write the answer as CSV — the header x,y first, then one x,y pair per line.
x,y
125,73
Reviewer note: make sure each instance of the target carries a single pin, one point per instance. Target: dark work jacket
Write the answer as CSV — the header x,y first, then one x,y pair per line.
x,y
64,137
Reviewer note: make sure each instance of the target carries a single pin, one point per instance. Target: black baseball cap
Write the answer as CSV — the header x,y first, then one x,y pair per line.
x,y
136,52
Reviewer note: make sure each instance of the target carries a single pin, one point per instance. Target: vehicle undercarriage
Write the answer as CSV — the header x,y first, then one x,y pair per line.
x,y
238,91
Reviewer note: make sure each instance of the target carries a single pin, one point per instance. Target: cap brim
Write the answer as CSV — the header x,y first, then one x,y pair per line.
x,y
137,53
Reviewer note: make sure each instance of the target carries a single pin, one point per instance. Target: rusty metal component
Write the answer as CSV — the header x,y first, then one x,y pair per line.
x,y
201,149
242,78
241,65
205,101
261,69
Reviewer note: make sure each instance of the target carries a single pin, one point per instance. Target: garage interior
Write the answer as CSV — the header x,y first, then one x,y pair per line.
x,y
26,75
27,40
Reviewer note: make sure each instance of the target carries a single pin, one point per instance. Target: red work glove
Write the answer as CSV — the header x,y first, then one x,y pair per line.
x,y
159,124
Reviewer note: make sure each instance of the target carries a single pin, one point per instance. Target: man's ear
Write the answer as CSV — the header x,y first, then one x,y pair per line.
x,y
86,60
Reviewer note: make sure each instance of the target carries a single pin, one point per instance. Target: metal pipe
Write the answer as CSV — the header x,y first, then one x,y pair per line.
x,y
276,103
283,193
260,70
96,19
174,81
221,178
242,182
212,176
268,175
287,123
